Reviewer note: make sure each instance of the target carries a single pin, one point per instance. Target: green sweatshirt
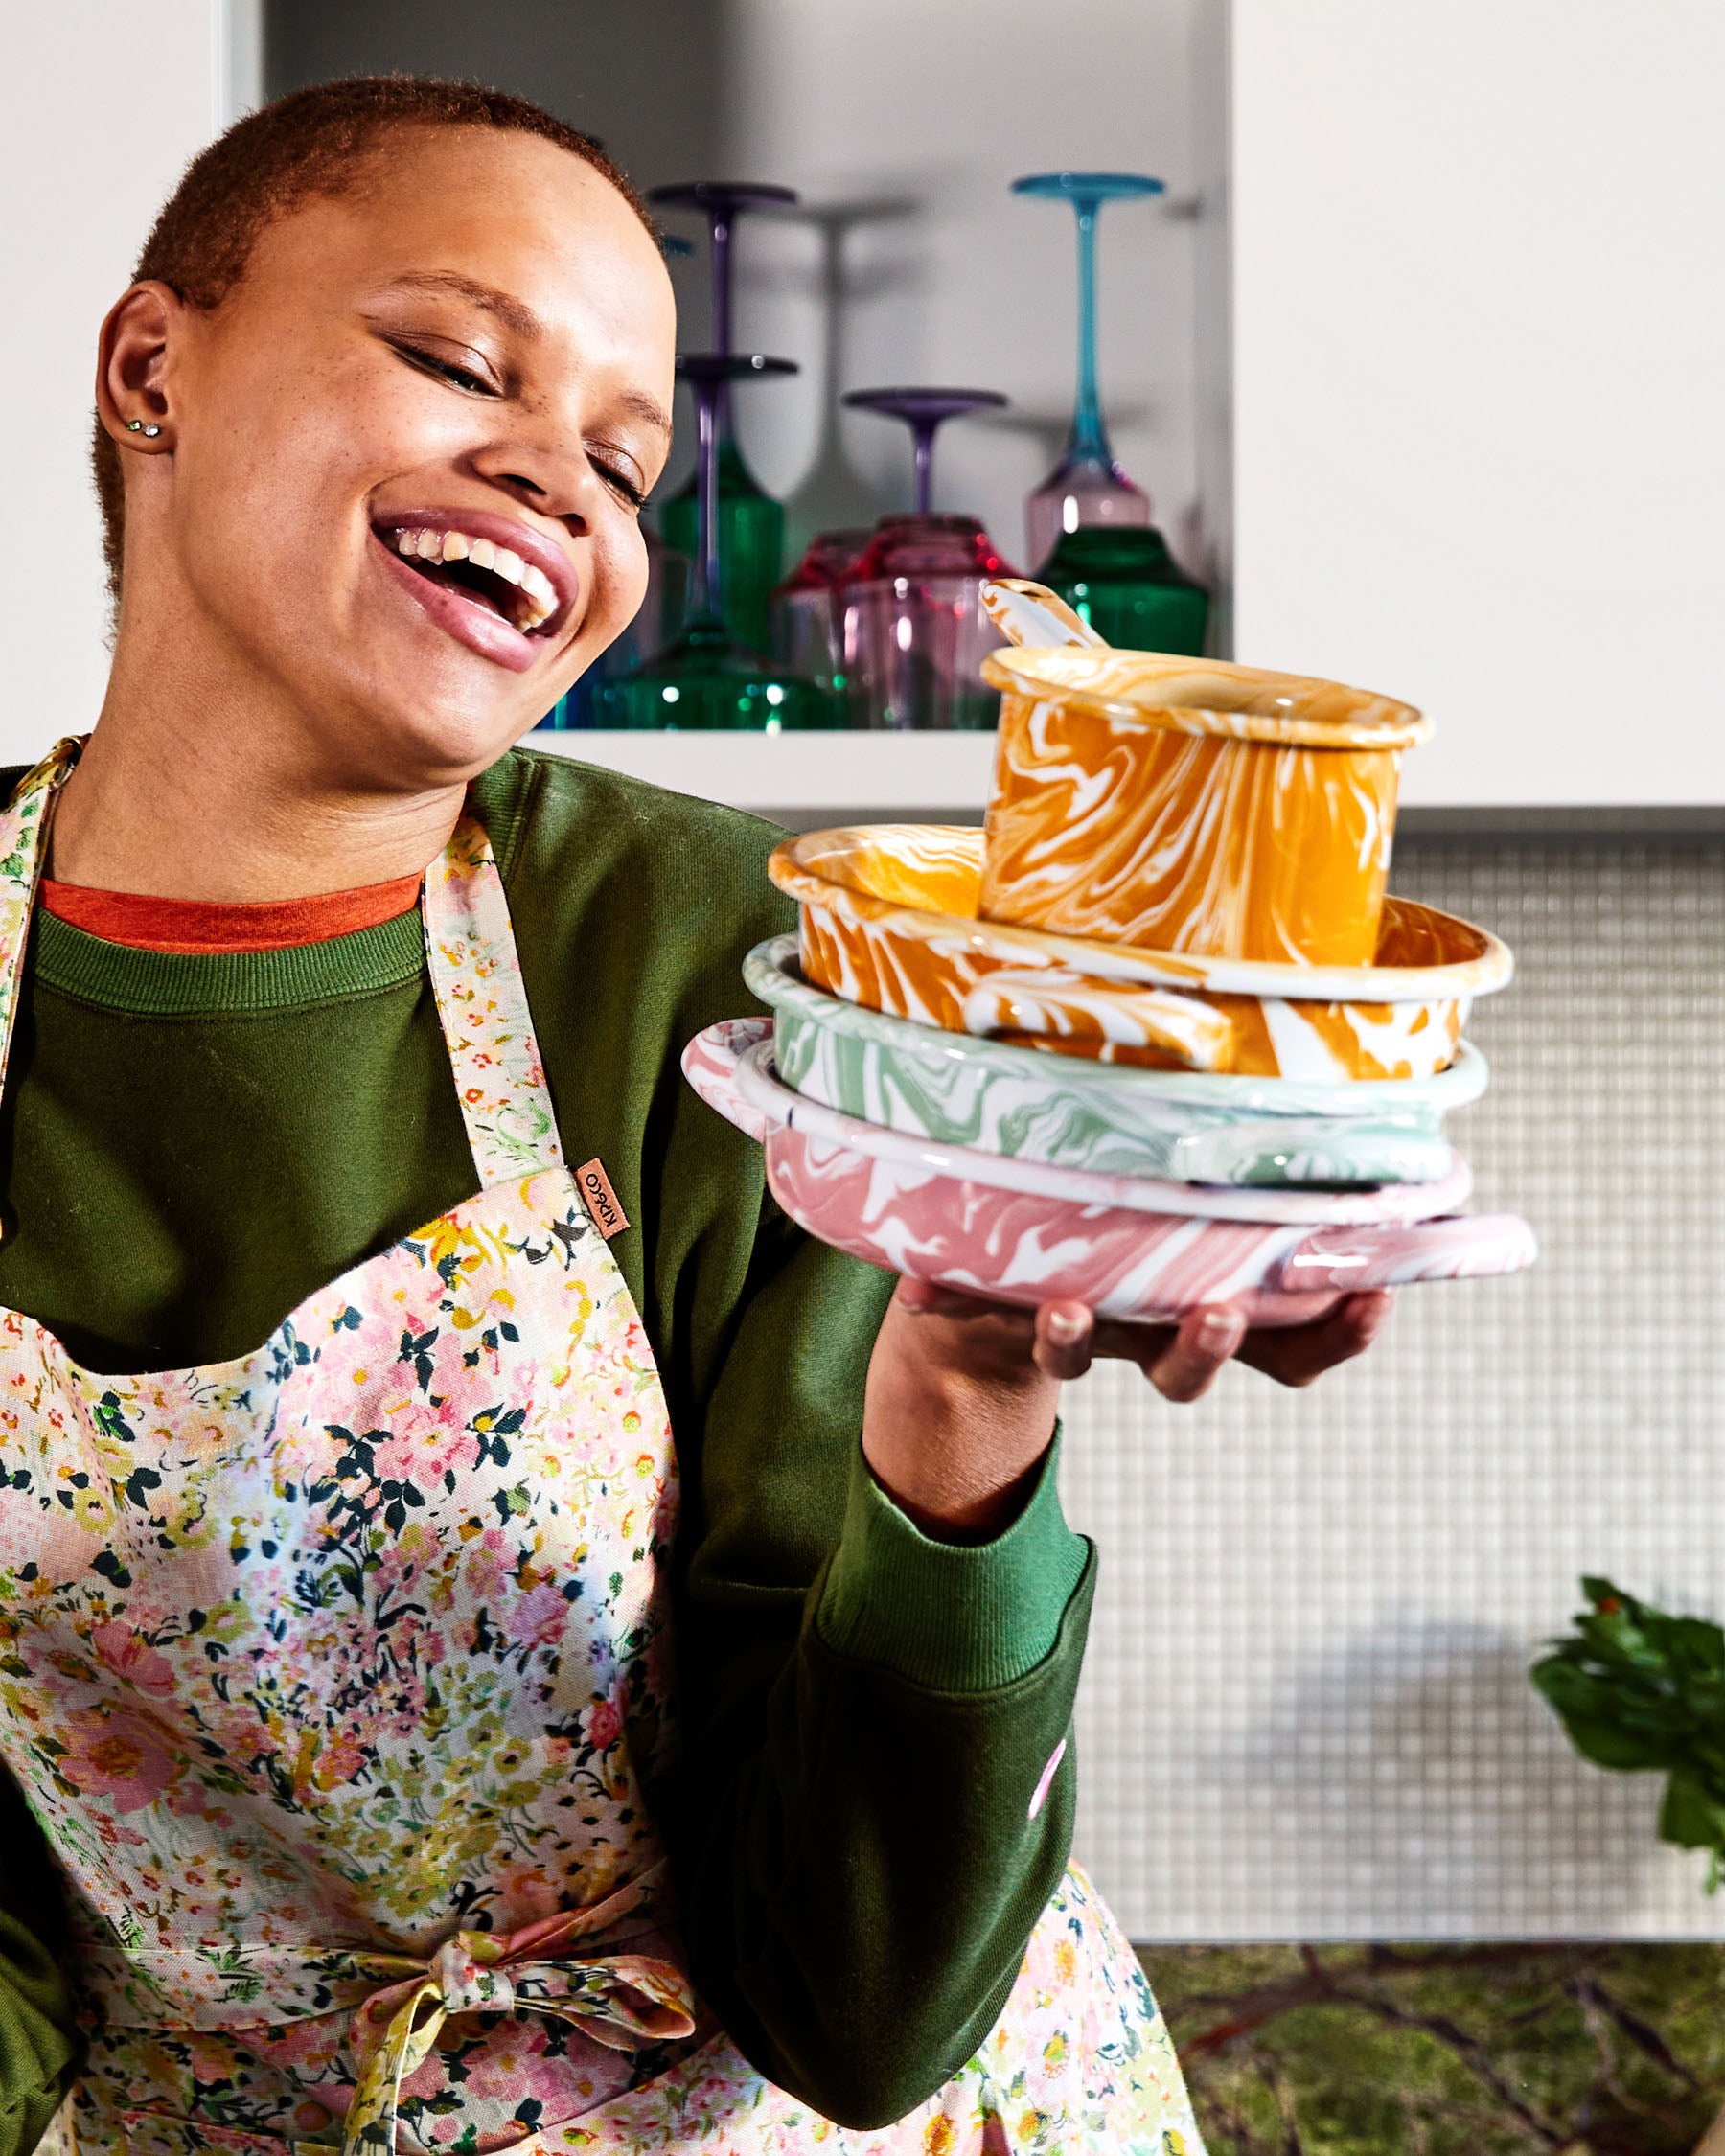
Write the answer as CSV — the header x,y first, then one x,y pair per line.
x,y
191,1145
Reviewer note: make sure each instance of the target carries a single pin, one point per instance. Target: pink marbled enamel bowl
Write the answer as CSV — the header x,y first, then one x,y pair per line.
x,y
1024,1246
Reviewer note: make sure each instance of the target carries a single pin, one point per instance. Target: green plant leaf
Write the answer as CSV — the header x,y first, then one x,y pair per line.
x,y
1692,1816
1638,1690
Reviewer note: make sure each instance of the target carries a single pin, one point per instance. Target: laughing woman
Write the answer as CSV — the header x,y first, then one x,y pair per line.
x,y
428,1755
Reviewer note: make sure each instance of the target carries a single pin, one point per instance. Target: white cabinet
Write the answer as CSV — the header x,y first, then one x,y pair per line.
x,y
805,779
1458,331
1479,380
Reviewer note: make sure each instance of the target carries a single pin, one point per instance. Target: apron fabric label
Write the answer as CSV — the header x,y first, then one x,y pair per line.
x,y
609,1217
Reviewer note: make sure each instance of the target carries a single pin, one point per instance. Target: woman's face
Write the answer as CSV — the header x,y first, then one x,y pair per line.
x,y
407,452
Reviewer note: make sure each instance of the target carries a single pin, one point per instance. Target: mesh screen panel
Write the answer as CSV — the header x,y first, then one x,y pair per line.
x,y
1305,1711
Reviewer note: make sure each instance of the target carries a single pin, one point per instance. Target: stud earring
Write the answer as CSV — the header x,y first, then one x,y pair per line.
x,y
137,426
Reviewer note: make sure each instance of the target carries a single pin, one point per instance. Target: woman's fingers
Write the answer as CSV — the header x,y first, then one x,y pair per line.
x,y
927,1296
1060,1337
1064,1338
1304,1352
1185,1368
1065,1335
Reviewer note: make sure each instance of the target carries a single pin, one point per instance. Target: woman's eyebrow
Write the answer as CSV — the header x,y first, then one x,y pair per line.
x,y
514,314
645,409
518,316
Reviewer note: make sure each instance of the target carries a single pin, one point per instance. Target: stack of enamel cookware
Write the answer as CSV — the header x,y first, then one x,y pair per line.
x,y
1156,1036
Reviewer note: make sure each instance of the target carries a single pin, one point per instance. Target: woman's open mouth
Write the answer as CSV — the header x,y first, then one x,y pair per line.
x,y
517,592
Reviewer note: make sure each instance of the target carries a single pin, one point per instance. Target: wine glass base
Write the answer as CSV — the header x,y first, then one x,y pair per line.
x,y
703,684
1127,585
1079,493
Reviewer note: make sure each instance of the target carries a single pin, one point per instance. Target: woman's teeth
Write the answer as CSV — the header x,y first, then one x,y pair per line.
x,y
535,597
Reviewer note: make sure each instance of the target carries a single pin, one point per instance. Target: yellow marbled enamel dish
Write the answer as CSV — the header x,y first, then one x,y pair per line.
x,y
889,921
1185,805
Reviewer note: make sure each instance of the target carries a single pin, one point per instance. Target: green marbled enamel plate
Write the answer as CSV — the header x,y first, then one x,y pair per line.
x,y
1175,1126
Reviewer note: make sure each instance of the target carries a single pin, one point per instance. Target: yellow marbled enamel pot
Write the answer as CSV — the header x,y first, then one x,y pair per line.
x,y
889,921
1185,805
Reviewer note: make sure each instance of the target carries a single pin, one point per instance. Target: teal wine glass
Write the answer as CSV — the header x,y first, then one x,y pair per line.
x,y
707,680
1087,524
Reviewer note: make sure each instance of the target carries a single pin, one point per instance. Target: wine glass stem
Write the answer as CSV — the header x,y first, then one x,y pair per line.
x,y
705,602
923,434
1089,439
721,310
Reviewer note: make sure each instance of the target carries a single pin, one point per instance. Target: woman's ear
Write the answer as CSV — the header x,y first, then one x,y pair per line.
x,y
132,367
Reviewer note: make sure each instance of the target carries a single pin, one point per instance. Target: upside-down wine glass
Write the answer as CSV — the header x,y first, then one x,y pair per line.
x,y
808,629
912,630
707,680
1087,524
752,524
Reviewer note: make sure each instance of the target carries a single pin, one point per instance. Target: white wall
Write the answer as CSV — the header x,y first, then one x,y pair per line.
x,y
1480,373
106,104
1477,334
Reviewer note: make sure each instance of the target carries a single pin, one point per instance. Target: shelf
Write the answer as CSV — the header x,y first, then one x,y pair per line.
x,y
807,780
873,777
812,779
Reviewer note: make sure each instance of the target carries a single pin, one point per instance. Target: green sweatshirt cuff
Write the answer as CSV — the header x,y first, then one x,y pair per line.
x,y
950,1617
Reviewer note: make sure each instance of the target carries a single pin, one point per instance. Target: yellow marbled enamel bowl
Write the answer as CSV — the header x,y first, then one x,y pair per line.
x,y
1185,805
889,921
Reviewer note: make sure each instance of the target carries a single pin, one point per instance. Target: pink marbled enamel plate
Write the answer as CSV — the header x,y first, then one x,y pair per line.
x,y
1028,1248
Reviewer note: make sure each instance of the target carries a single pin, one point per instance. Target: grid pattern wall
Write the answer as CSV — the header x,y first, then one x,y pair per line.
x,y
1305,1711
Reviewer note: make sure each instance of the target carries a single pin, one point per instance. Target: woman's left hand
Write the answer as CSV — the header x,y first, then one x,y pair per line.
x,y
962,1393
1182,1360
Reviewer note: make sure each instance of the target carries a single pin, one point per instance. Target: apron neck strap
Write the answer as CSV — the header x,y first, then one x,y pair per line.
x,y
23,827
482,1003
469,944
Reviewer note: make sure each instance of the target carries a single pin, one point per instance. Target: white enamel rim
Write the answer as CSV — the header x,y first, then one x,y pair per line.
x,y
760,1087
773,970
1005,945
1100,680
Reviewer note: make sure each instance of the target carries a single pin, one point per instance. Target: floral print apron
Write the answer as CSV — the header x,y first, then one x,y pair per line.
x,y
332,1671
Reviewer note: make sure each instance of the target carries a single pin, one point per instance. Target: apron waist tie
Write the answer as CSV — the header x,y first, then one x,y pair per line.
x,y
623,2001
572,1967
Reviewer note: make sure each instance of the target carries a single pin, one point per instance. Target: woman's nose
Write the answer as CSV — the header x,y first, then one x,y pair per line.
x,y
552,474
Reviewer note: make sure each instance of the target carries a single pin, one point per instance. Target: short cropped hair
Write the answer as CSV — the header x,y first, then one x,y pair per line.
x,y
313,142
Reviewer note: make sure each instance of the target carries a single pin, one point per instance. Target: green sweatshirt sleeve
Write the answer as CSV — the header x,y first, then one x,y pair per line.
x,y
867,1714
36,2050
954,1618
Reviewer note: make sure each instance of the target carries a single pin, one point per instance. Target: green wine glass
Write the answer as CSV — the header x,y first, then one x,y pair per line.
x,y
752,524
707,680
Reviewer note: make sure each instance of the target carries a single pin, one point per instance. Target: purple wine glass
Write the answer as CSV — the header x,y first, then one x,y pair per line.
x,y
706,679
924,411
912,628
750,524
